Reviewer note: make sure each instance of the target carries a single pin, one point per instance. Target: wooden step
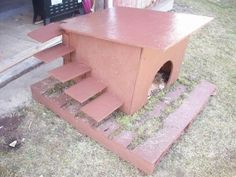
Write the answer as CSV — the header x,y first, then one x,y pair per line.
x,y
53,53
46,33
70,71
102,106
85,89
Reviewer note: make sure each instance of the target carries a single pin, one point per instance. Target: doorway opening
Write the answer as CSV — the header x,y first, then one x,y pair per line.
x,y
161,79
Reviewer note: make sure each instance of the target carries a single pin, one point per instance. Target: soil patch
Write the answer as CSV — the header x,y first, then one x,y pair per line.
x,y
10,136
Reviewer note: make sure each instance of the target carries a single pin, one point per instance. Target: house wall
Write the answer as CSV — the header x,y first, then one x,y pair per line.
x,y
151,62
116,65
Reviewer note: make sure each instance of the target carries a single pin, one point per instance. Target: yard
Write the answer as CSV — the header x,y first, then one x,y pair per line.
x,y
51,147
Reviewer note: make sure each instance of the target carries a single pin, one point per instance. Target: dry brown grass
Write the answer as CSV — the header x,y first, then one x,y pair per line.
x,y
208,148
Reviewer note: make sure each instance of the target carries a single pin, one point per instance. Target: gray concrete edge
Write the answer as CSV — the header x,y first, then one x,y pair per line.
x,y
18,70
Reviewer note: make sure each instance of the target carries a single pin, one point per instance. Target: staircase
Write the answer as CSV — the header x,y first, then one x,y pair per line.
x,y
98,103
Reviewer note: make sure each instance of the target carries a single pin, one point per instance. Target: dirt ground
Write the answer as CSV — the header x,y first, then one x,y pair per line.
x,y
48,146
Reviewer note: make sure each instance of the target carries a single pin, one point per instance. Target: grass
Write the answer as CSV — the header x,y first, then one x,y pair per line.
x,y
127,121
58,88
145,129
6,172
208,148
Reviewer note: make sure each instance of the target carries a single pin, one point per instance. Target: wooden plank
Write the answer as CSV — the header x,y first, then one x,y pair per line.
x,y
101,107
157,146
8,63
108,127
70,71
85,89
53,53
168,28
124,138
46,33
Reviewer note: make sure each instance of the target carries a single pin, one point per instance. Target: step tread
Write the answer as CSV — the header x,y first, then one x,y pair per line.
x,y
101,107
53,53
85,89
70,71
46,33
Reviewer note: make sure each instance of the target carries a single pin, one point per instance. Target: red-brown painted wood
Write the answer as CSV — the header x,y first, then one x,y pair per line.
x,y
149,29
46,84
70,71
46,33
53,53
108,127
124,138
126,58
85,89
162,105
118,145
100,134
169,98
155,147
102,106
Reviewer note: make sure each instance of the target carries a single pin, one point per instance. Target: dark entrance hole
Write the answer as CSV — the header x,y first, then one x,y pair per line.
x,y
161,78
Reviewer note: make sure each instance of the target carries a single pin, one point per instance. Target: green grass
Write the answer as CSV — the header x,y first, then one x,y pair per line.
x,y
146,129
207,149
